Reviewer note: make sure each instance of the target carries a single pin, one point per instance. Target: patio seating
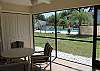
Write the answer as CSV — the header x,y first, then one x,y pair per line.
x,y
17,44
45,58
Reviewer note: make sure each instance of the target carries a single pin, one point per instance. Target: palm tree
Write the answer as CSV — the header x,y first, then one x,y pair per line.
x,y
51,20
62,18
82,17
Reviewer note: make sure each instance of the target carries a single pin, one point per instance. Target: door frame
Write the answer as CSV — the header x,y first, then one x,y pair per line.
x,y
95,63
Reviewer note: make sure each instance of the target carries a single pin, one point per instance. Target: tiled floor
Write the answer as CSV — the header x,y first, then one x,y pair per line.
x,y
63,65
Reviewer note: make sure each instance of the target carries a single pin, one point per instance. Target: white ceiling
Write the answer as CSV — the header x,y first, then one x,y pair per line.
x,y
26,2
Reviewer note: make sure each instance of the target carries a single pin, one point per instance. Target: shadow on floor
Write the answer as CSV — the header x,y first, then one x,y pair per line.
x,y
36,68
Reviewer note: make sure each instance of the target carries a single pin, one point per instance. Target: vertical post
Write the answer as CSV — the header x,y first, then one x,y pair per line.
x,y
50,62
33,32
56,33
33,39
1,38
94,38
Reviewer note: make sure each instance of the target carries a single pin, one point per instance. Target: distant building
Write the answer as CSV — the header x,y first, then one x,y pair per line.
x,y
39,24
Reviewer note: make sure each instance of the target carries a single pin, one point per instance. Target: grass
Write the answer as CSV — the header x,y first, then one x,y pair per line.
x,y
67,46
76,48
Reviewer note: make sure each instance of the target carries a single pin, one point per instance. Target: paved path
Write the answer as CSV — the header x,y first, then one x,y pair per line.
x,y
76,58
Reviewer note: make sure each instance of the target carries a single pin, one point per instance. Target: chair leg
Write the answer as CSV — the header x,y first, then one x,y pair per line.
x,y
50,62
40,67
24,58
31,64
50,65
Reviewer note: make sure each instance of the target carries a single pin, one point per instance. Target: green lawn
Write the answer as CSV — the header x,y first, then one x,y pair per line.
x,y
72,47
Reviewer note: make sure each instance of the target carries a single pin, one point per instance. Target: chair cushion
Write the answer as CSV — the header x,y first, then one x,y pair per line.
x,y
39,58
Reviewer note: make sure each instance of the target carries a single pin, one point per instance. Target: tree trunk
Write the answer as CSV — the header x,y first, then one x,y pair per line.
x,y
63,26
79,28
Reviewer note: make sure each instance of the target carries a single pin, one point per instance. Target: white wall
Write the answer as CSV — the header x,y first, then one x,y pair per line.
x,y
16,27
0,36
86,30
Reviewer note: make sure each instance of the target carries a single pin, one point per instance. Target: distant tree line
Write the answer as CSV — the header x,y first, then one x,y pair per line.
x,y
75,17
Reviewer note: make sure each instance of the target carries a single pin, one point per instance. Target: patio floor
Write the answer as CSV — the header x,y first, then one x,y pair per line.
x,y
63,65
70,57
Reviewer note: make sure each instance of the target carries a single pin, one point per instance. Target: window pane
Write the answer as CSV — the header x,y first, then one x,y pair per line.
x,y
98,17
40,44
98,34
74,22
77,51
98,50
44,24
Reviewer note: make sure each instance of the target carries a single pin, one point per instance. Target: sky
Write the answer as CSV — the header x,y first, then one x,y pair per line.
x,y
53,13
48,14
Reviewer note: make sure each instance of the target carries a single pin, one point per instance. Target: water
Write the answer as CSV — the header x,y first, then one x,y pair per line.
x,y
61,31
64,30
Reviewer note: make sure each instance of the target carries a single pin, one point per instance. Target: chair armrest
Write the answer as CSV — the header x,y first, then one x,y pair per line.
x,y
39,56
38,51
